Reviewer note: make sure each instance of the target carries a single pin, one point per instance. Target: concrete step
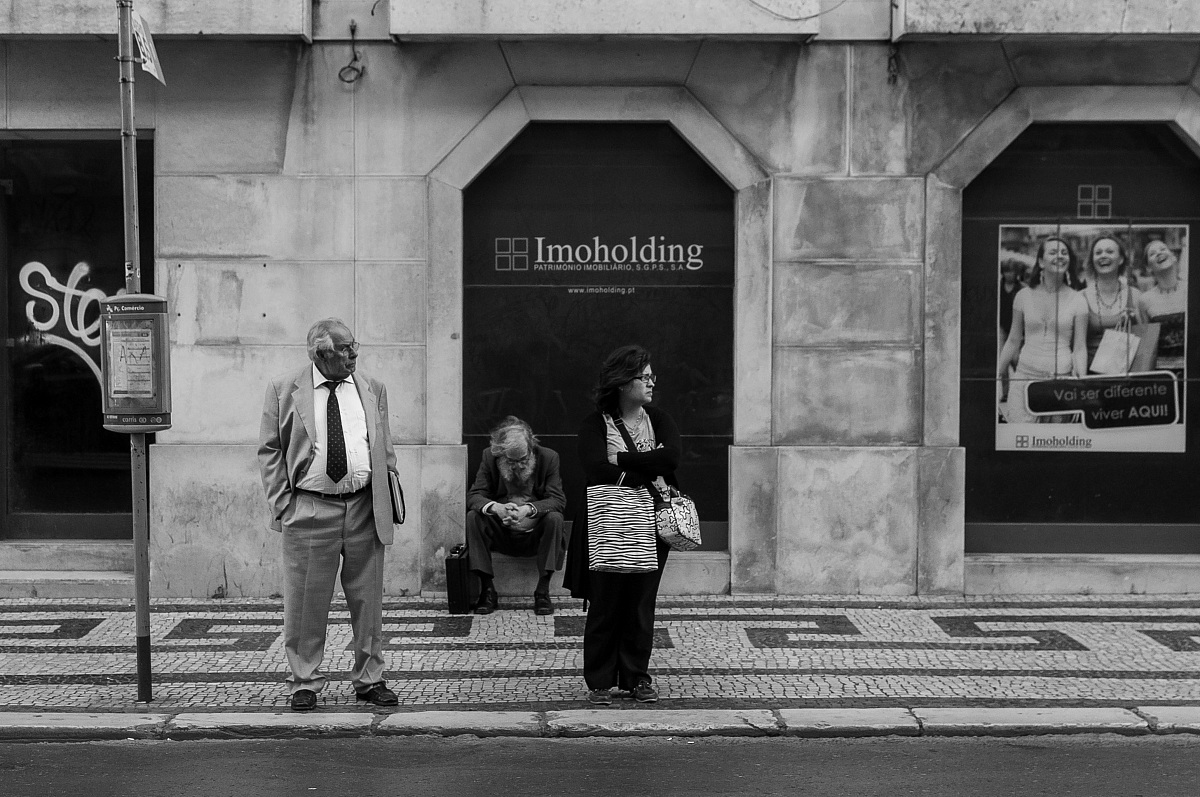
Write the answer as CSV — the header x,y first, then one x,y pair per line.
x,y
66,584
66,555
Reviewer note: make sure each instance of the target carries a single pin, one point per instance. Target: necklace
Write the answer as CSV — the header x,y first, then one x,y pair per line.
x,y
1108,305
635,426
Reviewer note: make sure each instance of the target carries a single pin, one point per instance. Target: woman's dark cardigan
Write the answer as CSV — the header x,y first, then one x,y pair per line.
x,y
640,469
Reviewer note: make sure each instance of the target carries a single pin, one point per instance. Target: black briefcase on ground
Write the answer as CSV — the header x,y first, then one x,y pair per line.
x,y
462,587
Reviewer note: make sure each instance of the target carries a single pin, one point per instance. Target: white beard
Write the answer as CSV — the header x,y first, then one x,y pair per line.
x,y
518,476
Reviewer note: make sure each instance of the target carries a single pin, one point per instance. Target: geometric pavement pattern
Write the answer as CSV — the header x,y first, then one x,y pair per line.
x,y
716,652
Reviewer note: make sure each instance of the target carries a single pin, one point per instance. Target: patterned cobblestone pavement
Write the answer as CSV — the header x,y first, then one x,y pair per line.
x,y
226,655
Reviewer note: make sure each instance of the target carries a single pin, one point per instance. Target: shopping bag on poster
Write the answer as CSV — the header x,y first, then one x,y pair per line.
x,y
1116,352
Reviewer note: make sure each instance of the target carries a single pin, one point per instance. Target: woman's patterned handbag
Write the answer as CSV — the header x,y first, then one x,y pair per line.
x,y
676,521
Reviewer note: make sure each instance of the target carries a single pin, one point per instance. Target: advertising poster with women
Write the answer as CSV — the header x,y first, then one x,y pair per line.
x,y
1091,337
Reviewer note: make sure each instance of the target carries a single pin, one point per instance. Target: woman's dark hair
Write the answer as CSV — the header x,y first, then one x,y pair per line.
x,y
619,367
1090,270
1072,277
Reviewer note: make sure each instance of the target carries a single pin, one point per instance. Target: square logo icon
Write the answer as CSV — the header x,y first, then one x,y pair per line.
x,y
512,254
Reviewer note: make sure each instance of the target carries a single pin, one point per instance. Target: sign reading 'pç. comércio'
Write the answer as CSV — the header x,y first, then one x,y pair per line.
x,y
135,364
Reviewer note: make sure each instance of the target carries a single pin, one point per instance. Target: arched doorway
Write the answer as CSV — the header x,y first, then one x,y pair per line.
x,y
1110,479
581,237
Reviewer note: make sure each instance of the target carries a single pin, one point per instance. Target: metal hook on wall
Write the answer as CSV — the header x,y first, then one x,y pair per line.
x,y
352,71
893,65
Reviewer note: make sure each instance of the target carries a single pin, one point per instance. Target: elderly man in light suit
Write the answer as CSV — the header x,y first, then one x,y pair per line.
x,y
324,453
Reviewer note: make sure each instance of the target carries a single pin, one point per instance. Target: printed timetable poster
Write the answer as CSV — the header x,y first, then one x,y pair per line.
x,y
1043,401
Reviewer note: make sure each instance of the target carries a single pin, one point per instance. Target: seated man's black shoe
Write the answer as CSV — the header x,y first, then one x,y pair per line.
x,y
304,700
488,602
542,603
379,695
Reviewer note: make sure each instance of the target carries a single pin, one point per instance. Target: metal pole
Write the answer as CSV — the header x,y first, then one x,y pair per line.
x,y
133,284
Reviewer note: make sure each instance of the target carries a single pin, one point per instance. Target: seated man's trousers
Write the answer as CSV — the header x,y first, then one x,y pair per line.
x,y
485,533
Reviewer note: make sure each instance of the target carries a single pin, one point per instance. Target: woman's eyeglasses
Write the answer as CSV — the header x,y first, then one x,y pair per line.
x,y
647,379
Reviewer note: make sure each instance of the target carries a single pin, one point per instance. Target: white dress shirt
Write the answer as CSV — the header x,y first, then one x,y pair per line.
x,y
354,429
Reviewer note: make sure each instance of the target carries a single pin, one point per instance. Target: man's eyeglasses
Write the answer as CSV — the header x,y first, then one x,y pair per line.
x,y
647,379
347,348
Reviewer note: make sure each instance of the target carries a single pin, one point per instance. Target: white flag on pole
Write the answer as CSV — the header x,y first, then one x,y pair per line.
x,y
141,32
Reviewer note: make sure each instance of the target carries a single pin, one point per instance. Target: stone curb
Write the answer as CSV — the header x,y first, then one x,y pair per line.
x,y
809,723
75,726
246,725
1028,721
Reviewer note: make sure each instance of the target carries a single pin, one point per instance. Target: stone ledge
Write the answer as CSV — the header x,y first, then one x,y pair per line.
x,y
116,555
66,584
1090,574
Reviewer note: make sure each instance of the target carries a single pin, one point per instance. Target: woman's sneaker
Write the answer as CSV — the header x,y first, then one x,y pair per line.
x,y
600,697
644,693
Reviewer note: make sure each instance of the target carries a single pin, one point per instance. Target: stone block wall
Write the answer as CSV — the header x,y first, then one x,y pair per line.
x,y
283,194
279,201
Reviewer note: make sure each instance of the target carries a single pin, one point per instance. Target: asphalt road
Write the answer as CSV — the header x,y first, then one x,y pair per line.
x,y
1080,766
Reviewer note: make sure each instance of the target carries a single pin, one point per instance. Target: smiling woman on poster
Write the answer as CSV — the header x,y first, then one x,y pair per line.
x,y
1049,329
1112,302
1166,303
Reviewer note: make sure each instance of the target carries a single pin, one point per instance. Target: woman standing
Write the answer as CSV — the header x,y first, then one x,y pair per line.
x,y
1112,301
619,634
1049,329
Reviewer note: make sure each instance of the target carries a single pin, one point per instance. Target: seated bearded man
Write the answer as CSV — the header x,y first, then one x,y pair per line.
x,y
516,507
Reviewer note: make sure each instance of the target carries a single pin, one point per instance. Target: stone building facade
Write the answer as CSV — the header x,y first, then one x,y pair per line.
x,y
286,188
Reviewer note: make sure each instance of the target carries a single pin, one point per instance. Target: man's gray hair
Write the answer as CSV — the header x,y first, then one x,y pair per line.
x,y
512,435
319,339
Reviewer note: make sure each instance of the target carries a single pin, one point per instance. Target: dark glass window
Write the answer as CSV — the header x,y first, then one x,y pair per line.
x,y
583,237
63,249
1140,183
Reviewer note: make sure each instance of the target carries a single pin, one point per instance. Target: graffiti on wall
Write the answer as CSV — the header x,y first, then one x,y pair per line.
x,y
65,315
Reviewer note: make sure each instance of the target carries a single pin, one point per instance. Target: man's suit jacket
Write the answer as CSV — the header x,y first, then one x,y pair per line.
x,y
285,448
548,495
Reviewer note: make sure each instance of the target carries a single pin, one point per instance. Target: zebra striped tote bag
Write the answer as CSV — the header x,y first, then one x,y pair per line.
x,y
621,536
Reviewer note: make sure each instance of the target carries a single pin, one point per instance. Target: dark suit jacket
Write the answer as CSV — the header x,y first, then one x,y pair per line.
x,y
548,495
285,449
